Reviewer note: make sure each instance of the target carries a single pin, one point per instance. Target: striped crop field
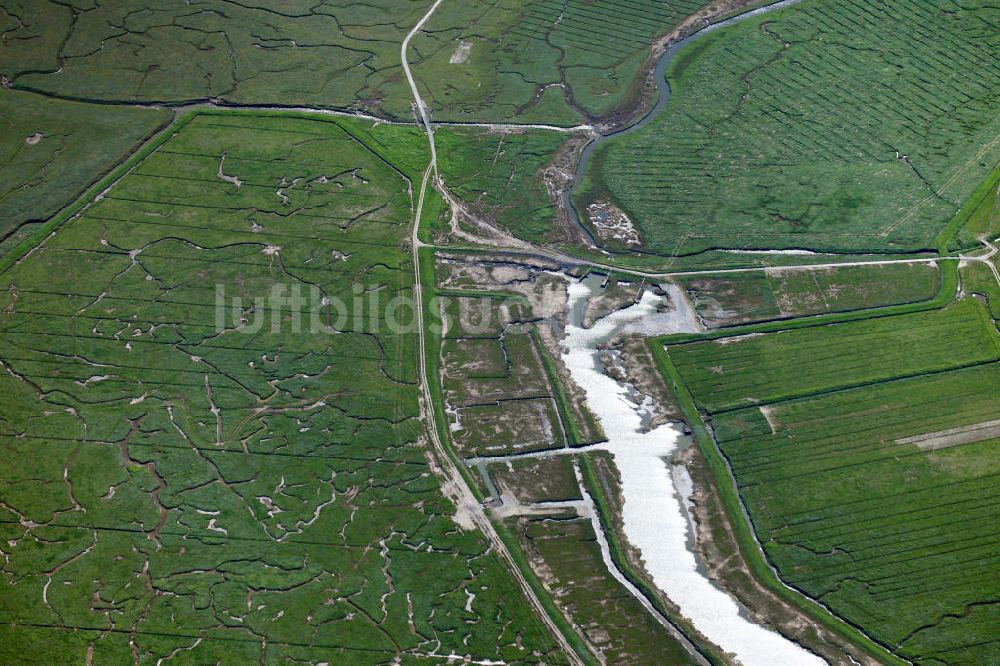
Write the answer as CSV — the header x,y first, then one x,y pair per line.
x,y
868,457
882,502
736,372
609,30
854,125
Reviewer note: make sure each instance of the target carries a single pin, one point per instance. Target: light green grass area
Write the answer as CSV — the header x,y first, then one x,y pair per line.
x,y
733,372
51,150
781,293
542,61
977,278
500,176
865,454
237,483
842,125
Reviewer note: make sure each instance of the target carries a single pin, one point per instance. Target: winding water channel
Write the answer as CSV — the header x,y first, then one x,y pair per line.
x,y
663,97
653,513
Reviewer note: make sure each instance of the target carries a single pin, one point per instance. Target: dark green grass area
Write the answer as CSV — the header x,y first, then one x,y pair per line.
x,y
288,52
760,369
499,175
237,483
848,125
51,150
543,61
775,293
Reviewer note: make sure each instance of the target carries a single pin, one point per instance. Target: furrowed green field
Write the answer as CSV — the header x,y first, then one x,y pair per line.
x,y
759,369
866,456
187,474
846,125
899,537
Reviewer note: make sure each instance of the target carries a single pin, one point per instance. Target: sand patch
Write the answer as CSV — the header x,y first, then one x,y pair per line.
x,y
612,224
768,414
943,439
461,53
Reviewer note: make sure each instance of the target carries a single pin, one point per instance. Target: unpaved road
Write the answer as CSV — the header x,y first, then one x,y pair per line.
x,y
455,482
985,259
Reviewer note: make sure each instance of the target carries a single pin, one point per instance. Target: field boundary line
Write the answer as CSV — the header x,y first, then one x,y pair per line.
x,y
180,107
569,260
958,222
852,387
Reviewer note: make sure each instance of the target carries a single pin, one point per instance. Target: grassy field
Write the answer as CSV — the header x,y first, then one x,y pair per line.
x,y
498,396
499,380
749,370
536,480
50,151
545,61
846,125
865,455
782,293
500,176
236,483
